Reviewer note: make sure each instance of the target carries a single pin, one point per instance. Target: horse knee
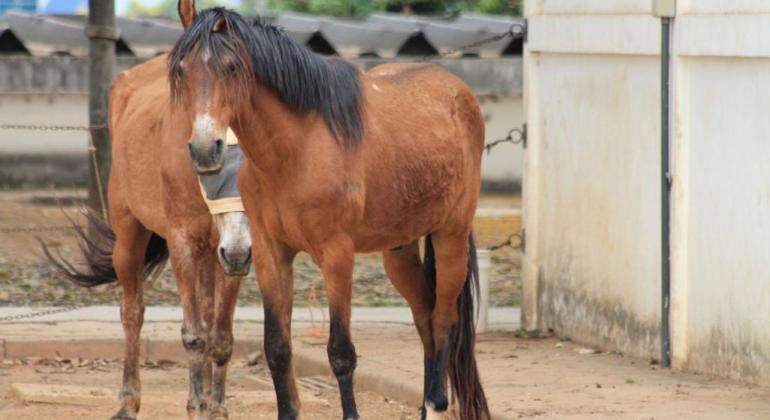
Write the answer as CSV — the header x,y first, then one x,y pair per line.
x,y
222,349
193,342
342,356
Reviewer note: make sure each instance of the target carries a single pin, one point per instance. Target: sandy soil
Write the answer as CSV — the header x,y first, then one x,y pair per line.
x,y
164,395
524,378
545,378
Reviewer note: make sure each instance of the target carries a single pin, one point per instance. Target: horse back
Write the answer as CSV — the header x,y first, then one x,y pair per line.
x,y
423,148
138,102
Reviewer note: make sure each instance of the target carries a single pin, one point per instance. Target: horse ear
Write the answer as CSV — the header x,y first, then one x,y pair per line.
x,y
219,24
187,13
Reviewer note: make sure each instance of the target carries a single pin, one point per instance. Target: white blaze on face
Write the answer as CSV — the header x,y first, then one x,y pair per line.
x,y
233,230
205,129
234,235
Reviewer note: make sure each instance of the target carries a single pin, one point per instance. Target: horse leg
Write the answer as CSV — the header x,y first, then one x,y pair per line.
x,y
206,296
186,262
273,268
128,259
407,274
337,267
222,341
453,326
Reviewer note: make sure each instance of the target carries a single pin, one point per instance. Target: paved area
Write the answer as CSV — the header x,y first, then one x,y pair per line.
x,y
524,378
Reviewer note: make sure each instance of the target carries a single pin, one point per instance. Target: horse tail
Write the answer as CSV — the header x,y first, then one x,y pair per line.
x,y
462,369
97,250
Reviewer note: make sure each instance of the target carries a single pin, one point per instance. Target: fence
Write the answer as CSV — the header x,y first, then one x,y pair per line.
x,y
514,136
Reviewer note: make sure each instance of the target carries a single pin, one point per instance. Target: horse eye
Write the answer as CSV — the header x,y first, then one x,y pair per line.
x,y
179,72
231,68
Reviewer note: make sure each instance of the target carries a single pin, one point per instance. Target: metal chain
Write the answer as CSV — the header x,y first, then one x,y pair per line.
x,y
32,229
44,127
520,137
19,317
517,30
91,149
514,241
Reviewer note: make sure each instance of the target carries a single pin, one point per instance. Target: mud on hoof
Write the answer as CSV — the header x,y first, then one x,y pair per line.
x,y
197,411
218,413
123,415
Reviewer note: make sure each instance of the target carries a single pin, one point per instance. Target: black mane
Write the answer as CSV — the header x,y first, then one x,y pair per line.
x,y
302,79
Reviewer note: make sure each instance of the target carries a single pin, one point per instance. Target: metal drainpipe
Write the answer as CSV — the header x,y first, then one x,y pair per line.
x,y
665,92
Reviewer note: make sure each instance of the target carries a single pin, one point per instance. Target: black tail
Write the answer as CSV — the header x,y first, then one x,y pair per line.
x,y
97,252
462,371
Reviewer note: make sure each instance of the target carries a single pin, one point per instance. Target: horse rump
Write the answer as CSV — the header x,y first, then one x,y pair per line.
x,y
462,371
97,248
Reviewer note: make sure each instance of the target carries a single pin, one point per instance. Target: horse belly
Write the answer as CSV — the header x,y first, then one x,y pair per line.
x,y
414,198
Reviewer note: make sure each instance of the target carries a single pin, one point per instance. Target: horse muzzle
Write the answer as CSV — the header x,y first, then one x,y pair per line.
x,y
235,262
207,157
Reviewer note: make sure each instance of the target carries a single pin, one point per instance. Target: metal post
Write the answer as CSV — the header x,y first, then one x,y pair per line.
x,y
102,34
484,258
665,188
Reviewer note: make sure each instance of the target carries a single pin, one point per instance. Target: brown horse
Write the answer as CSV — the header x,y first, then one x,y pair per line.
x,y
156,210
343,162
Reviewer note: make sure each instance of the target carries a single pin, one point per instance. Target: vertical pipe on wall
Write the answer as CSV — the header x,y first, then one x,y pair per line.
x,y
665,184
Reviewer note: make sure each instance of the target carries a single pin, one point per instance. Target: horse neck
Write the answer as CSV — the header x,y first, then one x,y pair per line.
x,y
270,133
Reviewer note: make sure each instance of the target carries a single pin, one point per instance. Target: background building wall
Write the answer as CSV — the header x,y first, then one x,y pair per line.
x,y
721,198
592,180
591,269
52,91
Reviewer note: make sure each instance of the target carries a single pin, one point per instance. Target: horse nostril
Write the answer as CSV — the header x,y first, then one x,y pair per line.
x,y
219,144
223,254
191,149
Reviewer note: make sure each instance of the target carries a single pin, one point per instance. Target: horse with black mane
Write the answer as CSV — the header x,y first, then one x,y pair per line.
x,y
342,162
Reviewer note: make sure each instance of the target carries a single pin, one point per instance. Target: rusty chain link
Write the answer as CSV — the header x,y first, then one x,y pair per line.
x,y
33,229
45,127
91,149
515,136
19,317
517,30
514,241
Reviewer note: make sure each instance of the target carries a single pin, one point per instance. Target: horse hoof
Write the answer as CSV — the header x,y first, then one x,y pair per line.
x,y
218,413
122,414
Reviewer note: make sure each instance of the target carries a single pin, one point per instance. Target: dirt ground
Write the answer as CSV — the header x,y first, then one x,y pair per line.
x,y
545,378
527,378
26,281
165,394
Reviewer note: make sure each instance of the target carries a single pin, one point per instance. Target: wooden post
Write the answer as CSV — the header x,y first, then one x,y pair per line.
x,y
101,53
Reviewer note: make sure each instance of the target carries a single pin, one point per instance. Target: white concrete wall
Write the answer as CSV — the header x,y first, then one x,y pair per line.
x,y
591,269
592,189
48,109
721,198
504,164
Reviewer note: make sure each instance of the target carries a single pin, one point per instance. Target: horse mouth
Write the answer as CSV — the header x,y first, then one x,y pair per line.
x,y
237,272
208,169
235,268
